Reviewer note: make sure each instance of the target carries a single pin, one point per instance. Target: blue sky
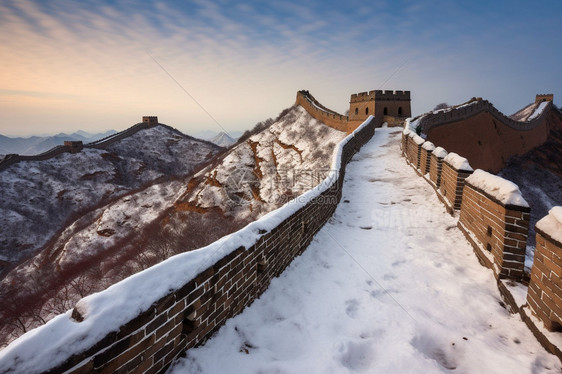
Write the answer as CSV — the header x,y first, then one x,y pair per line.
x,y
96,65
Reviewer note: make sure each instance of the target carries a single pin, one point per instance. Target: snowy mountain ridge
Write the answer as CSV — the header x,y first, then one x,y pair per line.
x,y
38,144
38,196
223,140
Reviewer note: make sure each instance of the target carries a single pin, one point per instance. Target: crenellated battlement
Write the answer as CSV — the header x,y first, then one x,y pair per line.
x,y
544,97
150,120
380,95
387,106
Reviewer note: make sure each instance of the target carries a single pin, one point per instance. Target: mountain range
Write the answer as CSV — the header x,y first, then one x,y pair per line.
x,y
38,144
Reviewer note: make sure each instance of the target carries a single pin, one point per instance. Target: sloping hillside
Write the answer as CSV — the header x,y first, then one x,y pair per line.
x,y
39,196
138,229
266,170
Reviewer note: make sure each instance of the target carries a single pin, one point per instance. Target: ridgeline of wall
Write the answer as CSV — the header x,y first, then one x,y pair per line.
x,y
488,138
321,113
108,140
122,330
98,144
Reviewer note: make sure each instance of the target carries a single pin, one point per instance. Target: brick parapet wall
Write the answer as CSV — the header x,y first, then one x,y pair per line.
x,y
413,151
53,152
500,231
435,169
188,316
425,160
98,144
323,114
452,183
108,140
544,296
463,112
404,143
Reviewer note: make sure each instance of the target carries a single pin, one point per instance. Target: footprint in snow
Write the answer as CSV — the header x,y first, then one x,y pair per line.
x,y
352,306
444,353
357,356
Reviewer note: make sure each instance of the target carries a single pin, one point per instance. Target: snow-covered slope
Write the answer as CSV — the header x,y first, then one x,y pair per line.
x,y
39,196
267,170
223,140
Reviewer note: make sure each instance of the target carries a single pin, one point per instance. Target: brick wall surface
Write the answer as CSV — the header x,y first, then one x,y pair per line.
x,y
188,316
332,119
544,295
425,160
500,230
404,143
413,150
452,183
435,169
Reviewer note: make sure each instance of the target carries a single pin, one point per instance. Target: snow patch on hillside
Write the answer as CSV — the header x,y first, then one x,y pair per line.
x,y
538,111
291,156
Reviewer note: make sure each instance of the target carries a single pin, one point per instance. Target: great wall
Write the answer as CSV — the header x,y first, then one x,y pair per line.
x,y
238,269
185,315
481,133
77,146
392,106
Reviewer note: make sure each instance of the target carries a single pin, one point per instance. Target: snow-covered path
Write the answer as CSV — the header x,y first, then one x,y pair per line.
x,y
389,285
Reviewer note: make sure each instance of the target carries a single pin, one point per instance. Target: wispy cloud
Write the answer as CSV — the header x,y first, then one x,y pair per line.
x,y
244,62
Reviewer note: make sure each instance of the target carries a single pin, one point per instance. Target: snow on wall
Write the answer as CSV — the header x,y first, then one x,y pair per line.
x,y
506,192
551,224
440,152
458,162
105,312
428,146
418,140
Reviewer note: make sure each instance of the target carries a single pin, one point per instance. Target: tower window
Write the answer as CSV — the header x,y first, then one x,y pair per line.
x,y
385,111
366,110
400,111
356,111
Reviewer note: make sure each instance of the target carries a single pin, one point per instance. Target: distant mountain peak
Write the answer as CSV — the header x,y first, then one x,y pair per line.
x,y
223,140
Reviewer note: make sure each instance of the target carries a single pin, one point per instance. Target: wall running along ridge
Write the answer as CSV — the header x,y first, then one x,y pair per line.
x,y
485,136
68,148
387,106
321,113
212,285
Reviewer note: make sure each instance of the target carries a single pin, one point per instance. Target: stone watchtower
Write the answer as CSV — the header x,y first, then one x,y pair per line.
x,y
386,106
150,120
543,97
